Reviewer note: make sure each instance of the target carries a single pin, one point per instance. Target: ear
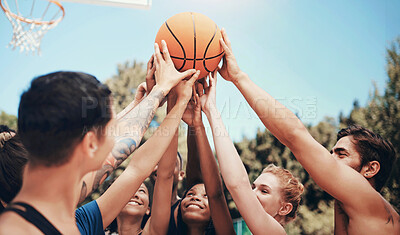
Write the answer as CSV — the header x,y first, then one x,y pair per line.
x,y
371,169
286,208
181,175
89,144
3,203
148,211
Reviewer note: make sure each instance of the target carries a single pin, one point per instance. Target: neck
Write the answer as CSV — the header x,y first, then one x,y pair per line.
x,y
129,224
372,183
280,219
54,190
195,229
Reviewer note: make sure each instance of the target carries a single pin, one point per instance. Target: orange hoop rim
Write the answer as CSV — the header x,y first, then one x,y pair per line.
x,y
29,21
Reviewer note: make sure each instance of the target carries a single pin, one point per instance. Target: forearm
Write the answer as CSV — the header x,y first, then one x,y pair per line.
x,y
338,180
278,119
213,184
147,156
237,182
127,109
118,195
207,163
140,166
231,166
161,207
132,124
167,163
193,172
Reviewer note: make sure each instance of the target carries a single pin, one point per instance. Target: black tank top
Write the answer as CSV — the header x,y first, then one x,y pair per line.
x,y
33,216
172,229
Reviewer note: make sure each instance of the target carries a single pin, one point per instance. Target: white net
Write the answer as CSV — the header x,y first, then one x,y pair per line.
x,y
29,30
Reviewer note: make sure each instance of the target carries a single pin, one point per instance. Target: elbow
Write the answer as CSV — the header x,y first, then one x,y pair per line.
x,y
237,184
294,135
164,175
217,195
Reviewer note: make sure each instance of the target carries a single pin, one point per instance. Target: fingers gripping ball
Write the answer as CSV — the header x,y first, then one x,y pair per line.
x,y
193,42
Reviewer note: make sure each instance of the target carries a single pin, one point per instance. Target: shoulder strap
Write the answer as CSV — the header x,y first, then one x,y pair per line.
x,y
33,216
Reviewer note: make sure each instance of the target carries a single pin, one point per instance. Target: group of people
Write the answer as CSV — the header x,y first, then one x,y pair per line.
x,y
70,139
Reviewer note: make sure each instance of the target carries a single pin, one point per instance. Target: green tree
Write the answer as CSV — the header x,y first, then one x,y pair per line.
x,y
9,120
382,115
123,84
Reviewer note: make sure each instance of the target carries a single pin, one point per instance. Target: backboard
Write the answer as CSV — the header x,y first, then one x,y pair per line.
x,y
143,4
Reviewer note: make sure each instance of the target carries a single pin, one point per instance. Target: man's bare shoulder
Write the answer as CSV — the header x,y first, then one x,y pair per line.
x,y
369,203
393,218
379,218
12,223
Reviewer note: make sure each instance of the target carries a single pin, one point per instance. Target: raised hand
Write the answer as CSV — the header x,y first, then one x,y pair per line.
x,y
166,75
208,99
185,88
192,114
230,70
141,91
150,78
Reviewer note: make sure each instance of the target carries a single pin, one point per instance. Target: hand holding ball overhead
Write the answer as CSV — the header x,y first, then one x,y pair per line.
x,y
193,42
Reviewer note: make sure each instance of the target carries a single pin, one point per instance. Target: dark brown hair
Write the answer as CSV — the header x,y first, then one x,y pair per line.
x,y
372,147
13,158
57,111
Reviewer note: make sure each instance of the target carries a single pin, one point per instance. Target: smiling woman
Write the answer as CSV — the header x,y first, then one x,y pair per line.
x,y
194,211
134,215
194,206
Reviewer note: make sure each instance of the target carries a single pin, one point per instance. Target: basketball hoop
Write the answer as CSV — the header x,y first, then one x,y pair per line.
x,y
29,29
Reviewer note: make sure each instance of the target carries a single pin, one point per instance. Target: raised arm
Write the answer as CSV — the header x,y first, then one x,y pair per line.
x,y
339,180
234,173
193,172
210,173
133,122
161,208
143,162
147,156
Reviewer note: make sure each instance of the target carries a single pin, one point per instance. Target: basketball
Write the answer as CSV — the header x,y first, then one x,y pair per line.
x,y
193,42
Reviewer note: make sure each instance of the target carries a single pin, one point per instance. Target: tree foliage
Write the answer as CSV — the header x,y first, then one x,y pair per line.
x,y
315,215
8,120
382,115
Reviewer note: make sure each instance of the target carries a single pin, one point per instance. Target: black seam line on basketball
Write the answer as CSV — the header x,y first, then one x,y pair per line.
x,y
205,52
208,58
180,44
194,37
180,58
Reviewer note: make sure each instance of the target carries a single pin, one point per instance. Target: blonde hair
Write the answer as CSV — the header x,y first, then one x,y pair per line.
x,y
291,186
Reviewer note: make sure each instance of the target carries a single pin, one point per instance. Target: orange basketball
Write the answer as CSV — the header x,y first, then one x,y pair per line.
x,y
193,42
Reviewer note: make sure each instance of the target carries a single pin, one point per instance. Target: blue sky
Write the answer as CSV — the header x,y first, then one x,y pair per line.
x,y
316,57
